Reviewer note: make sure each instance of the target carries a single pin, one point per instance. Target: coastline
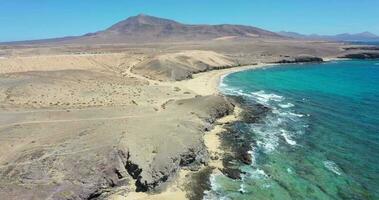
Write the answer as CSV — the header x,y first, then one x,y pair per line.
x,y
94,119
206,83
166,108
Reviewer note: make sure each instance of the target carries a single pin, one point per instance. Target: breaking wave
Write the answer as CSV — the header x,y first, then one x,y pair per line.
x,y
333,167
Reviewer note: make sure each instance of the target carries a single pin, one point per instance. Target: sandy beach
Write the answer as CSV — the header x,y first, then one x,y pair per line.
x,y
207,83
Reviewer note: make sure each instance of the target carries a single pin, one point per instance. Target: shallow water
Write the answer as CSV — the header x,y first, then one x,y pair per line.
x,y
320,140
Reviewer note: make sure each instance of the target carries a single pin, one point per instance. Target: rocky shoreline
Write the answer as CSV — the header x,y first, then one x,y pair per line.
x,y
362,56
300,59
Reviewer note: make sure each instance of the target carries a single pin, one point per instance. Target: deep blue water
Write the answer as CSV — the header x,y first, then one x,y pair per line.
x,y
375,43
320,140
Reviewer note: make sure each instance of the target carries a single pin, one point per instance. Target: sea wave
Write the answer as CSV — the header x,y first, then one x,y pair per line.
x,y
332,166
288,138
211,194
287,105
264,98
281,124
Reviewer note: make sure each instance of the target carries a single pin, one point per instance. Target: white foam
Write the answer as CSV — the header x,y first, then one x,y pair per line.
x,y
287,138
242,188
268,140
297,115
264,97
332,166
287,105
258,174
213,181
211,194
252,155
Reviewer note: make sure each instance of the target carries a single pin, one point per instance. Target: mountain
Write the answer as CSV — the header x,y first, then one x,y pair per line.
x,y
143,28
364,36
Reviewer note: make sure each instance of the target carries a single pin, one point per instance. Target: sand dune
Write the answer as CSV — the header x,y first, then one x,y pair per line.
x,y
181,65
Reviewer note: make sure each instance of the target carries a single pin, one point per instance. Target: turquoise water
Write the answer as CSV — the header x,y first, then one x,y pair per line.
x,y
320,140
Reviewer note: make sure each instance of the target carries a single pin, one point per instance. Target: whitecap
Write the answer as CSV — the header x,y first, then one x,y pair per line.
x,y
264,97
258,174
297,115
212,194
287,138
213,182
332,166
287,105
252,155
268,142
242,188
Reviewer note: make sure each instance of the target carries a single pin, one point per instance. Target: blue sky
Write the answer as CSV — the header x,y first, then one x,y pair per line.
x,y
33,19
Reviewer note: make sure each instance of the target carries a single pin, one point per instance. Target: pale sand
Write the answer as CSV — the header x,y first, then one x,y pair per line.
x,y
328,59
207,83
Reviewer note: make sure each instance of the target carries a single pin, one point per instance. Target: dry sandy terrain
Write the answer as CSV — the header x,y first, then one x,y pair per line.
x,y
113,121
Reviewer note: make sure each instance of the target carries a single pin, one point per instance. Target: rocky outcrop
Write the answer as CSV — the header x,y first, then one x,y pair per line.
x,y
363,55
92,159
187,151
300,59
237,143
367,48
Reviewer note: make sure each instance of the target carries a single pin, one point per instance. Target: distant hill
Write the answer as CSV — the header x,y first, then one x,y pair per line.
x,y
364,36
143,28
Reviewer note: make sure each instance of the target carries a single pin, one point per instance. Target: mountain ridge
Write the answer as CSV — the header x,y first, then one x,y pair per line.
x,y
143,28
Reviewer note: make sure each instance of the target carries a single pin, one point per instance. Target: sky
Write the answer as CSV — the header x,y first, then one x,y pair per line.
x,y
38,19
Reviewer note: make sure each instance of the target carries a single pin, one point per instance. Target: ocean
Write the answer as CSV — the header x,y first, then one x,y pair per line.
x,y
318,140
374,43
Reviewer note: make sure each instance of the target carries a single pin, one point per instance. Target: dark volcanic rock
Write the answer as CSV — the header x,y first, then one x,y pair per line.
x,y
236,140
365,55
243,154
254,113
200,182
301,59
231,169
368,48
